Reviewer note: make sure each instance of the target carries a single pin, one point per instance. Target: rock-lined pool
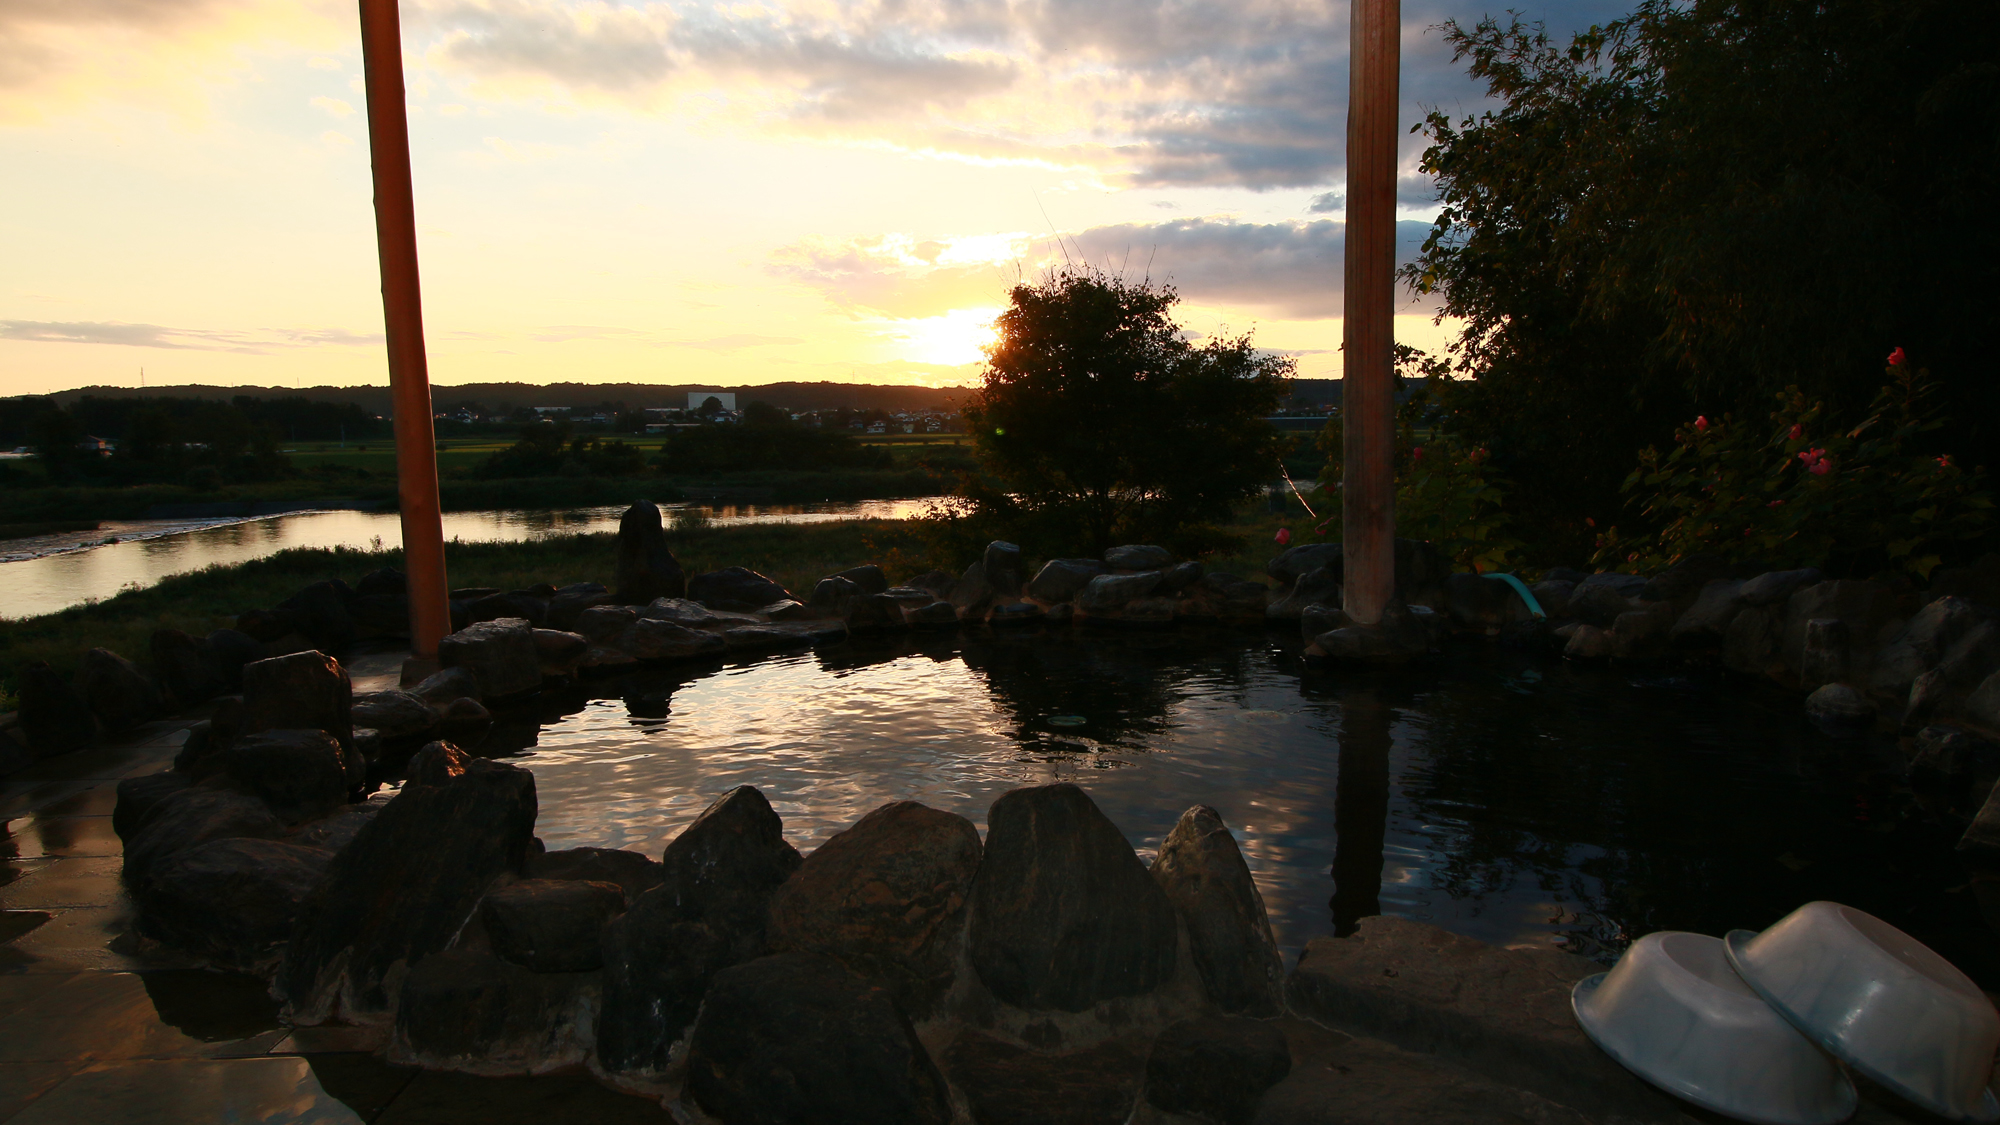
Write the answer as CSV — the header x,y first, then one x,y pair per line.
x,y
1503,796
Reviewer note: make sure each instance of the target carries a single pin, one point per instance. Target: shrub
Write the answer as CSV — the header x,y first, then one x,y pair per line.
x,y
1805,492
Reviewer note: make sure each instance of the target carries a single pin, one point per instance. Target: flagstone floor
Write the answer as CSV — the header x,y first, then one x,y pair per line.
x,y
92,1029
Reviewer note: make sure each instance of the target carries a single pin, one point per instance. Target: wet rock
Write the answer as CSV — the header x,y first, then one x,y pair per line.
x,y
1824,658
1064,914
1642,633
137,797
631,872
868,579
831,595
1922,643
500,655
1482,603
735,587
209,735
1681,582
797,1038
320,613
1941,693
1750,644
1234,598
1715,606
184,669
337,830
117,693
305,689
230,651
189,819
1591,643
874,613
1864,610
402,888
1059,580
1405,632
647,568
937,615
440,688
693,614
1004,614
708,912
1626,585
1553,596
1421,569
368,744
1138,557
771,638
264,625
569,603
551,925
1179,577
468,1011
53,719
1956,765
1981,842
938,582
1598,605
1840,709
604,624
1113,591
1007,1084
472,593
1982,707
559,651
886,897
1001,563
1216,1069
500,607
230,901
910,597
386,581
1775,587
1229,935
1314,587
1304,558
971,595
1567,574
1317,619
299,774
394,713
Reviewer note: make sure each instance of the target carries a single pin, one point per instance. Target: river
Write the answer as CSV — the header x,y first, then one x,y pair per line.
x,y
47,573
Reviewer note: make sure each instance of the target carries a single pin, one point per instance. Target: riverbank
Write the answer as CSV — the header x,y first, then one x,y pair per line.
x,y
795,555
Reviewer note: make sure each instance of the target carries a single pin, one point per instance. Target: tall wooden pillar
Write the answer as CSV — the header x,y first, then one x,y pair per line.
x,y
1368,393
403,317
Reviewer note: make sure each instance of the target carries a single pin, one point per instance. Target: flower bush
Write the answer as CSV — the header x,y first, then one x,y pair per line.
x,y
1803,491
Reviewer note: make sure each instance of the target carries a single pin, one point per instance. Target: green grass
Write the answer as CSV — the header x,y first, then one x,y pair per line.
x,y
796,555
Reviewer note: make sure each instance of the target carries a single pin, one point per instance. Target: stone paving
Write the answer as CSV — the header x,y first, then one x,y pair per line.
x,y
95,1029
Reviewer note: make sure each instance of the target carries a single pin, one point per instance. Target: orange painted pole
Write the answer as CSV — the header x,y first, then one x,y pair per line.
x,y
403,317
1368,389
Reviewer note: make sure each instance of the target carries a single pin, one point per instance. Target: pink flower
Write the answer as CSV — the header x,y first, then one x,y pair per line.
x,y
1944,462
1896,358
1701,422
1284,536
1417,454
1775,504
1821,468
1798,431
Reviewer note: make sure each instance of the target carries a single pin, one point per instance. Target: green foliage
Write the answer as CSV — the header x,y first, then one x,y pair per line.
x,y
1695,206
1098,423
1802,491
548,449
1448,492
766,439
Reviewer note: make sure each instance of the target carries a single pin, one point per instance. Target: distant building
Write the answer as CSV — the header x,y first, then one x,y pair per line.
x,y
696,398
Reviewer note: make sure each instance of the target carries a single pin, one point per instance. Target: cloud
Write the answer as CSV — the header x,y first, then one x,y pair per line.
x,y
1291,270
733,343
157,336
333,106
1327,201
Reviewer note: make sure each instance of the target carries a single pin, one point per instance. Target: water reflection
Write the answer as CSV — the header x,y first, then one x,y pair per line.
x,y
84,567
1510,801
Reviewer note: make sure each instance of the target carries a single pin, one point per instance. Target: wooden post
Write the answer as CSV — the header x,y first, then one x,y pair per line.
x,y
403,317
1368,391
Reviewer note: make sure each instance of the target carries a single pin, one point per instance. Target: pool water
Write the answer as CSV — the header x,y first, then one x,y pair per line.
x,y
1507,797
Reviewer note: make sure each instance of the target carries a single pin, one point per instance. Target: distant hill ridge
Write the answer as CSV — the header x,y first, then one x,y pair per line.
x,y
790,396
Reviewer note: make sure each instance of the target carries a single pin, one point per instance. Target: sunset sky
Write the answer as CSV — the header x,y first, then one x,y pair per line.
x,y
675,192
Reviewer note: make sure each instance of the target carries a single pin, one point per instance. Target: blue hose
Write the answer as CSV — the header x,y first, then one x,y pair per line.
x,y
1520,588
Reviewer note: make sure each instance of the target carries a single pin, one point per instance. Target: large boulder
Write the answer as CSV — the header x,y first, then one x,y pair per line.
x,y
394,713
230,901
867,578
1109,592
569,603
797,1038
446,686
1553,596
1064,914
647,568
1981,842
603,624
1216,1068
1598,604
875,613
1775,587
736,587
500,655
1955,766
1942,692
708,912
1179,577
693,614
551,925
1982,707
319,612
231,651
560,651
1059,580
886,897
53,719
304,689
1421,568
1922,643
469,1011
1840,709
652,639
831,594
1229,934
971,595
1001,564
137,797
403,888
1233,598
116,691
1481,603
299,774
1320,586
630,872
189,819
1863,609
1707,620
1138,557
1685,579
182,664
1750,644
1641,633
496,607
1007,1084
1294,561
1627,585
